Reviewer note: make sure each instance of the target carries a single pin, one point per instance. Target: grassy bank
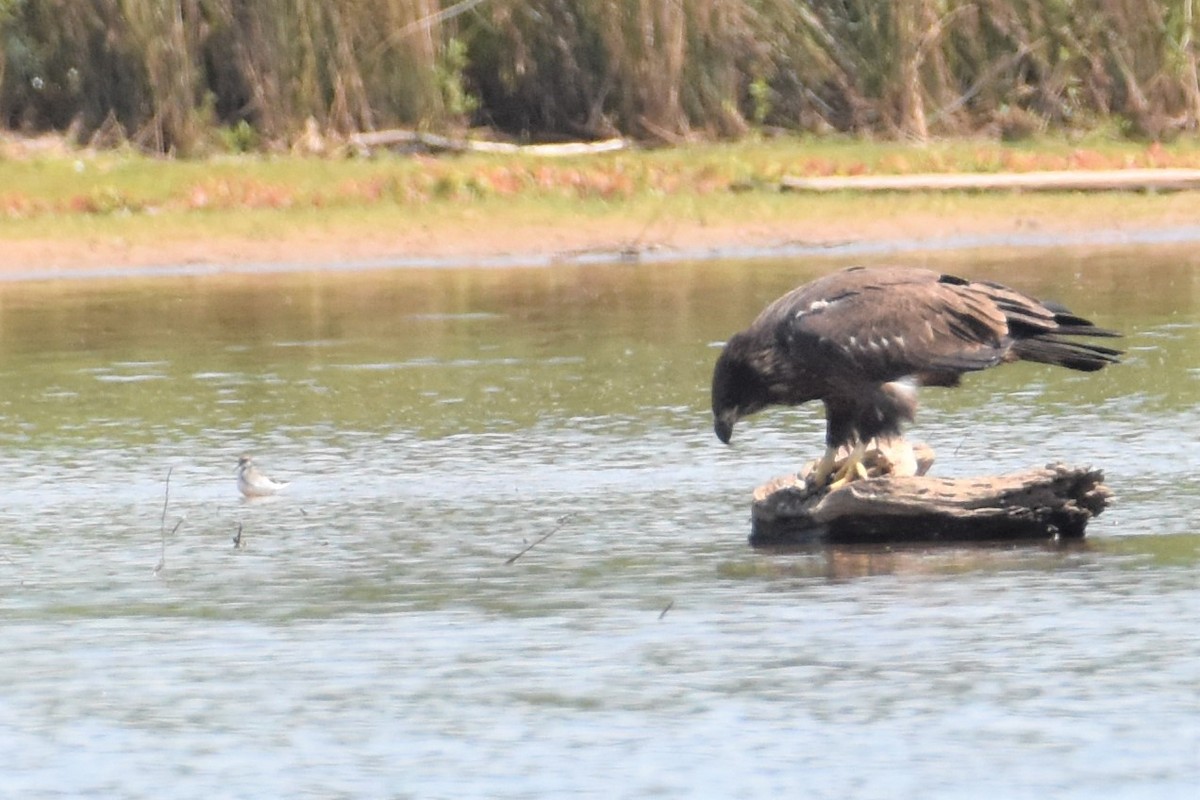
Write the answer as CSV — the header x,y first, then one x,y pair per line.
x,y
66,183
81,207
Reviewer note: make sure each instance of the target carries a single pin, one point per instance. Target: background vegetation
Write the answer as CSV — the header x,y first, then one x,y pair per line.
x,y
190,76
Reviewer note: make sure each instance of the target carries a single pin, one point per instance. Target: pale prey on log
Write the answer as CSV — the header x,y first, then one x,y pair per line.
x,y
863,339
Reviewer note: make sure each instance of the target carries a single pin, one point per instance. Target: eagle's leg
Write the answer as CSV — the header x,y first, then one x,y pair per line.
x,y
825,466
853,469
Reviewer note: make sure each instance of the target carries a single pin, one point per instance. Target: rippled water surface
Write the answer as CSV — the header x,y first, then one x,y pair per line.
x,y
372,635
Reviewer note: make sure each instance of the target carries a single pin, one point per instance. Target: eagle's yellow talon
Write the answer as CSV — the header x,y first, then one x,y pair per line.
x,y
853,469
824,467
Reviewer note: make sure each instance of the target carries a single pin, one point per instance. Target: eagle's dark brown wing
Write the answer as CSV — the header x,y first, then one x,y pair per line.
x,y
886,323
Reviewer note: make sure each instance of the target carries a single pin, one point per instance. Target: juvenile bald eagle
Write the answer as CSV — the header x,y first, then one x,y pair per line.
x,y
861,340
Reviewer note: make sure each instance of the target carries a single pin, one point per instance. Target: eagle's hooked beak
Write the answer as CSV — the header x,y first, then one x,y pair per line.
x,y
723,425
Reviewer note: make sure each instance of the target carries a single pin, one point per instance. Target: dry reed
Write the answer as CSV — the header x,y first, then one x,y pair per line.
x,y
172,75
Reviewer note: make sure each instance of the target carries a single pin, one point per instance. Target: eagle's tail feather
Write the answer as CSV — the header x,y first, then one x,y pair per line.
x,y
1051,349
1062,323
1068,324
1070,327
1064,318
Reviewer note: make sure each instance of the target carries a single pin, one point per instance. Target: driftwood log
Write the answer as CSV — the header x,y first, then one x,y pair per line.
x,y
1106,180
409,140
1053,502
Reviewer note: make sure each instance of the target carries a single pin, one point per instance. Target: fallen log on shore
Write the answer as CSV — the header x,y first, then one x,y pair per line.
x,y
365,142
1053,502
1106,180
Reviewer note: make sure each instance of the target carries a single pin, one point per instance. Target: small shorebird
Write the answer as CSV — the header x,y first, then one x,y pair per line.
x,y
253,482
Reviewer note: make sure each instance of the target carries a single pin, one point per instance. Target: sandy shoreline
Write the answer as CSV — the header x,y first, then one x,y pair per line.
x,y
592,240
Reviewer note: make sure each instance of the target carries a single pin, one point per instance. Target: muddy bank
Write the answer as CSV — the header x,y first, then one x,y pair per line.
x,y
501,242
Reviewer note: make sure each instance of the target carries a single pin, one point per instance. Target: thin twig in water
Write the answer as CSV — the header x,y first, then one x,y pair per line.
x,y
960,444
162,525
237,538
162,559
561,522
670,605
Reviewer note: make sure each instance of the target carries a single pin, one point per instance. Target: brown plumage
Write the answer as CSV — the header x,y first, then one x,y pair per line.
x,y
861,340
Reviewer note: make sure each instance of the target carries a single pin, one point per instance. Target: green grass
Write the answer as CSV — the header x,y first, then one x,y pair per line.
x,y
87,195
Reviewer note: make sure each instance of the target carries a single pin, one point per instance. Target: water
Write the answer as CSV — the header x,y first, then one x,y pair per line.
x,y
370,637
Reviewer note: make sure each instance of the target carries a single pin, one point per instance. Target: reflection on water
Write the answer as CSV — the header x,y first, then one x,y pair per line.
x,y
367,637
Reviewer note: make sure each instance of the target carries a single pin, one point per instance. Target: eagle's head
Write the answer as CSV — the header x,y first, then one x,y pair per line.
x,y
738,388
